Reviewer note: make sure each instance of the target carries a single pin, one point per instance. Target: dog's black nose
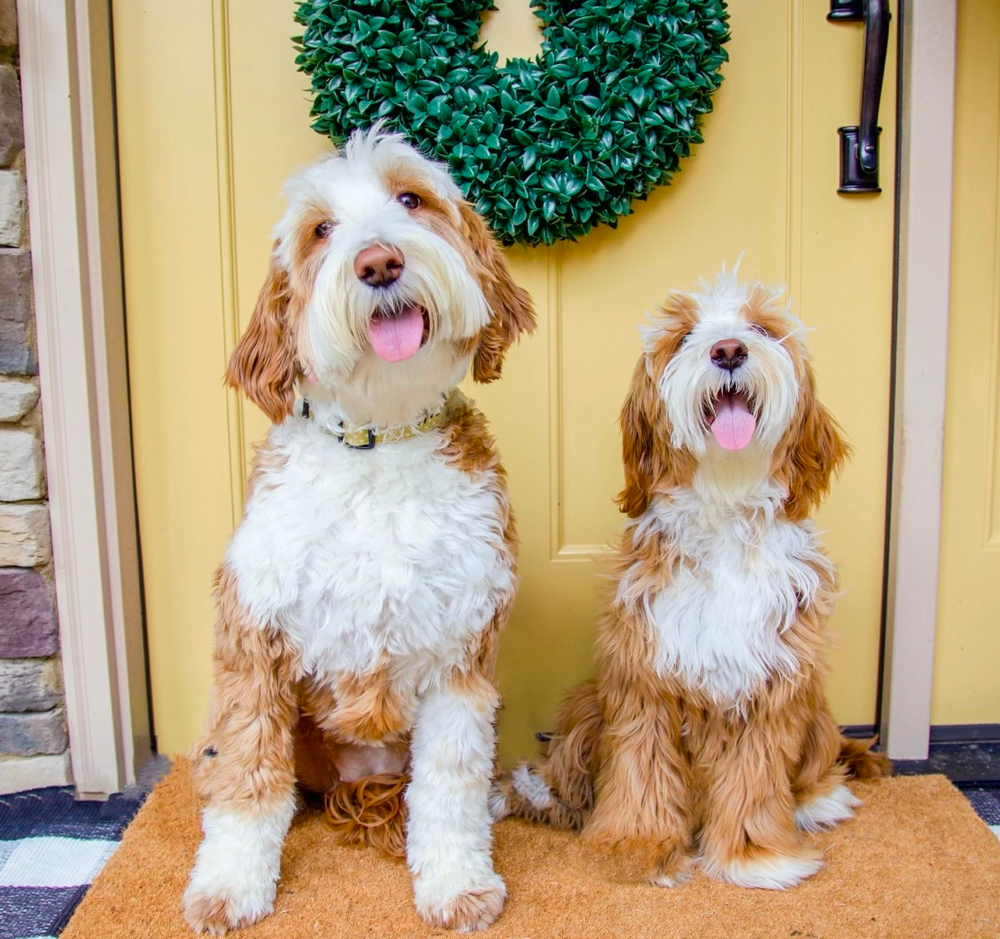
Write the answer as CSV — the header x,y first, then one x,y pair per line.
x,y
729,354
379,265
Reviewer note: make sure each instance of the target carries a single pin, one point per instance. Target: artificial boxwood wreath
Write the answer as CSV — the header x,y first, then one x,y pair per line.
x,y
547,147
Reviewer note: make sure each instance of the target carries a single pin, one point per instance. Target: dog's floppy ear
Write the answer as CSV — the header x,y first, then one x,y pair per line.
x,y
263,364
641,459
816,451
511,310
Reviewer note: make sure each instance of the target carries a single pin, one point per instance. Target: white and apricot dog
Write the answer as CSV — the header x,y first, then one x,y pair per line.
x,y
361,596
706,736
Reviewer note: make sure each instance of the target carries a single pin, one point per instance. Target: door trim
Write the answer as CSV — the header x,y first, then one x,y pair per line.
x,y
68,107
926,155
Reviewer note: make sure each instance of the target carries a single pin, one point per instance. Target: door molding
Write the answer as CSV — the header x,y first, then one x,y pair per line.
x,y
68,106
926,155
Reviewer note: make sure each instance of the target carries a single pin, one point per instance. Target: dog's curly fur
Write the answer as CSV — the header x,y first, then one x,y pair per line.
x,y
370,811
706,735
362,595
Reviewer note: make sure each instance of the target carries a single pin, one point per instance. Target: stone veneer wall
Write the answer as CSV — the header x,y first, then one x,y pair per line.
x,y
33,741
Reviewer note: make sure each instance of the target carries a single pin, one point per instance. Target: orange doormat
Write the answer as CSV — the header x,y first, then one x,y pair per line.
x,y
916,863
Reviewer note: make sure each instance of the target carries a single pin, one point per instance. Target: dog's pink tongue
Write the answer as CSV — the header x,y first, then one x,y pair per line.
x,y
397,337
734,424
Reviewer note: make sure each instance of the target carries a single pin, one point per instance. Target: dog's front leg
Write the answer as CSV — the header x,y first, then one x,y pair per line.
x,y
749,836
643,787
244,771
449,841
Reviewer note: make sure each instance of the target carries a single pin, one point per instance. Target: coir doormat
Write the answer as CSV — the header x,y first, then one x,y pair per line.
x,y
915,862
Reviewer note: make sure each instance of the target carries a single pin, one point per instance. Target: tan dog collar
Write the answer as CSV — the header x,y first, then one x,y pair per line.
x,y
367,438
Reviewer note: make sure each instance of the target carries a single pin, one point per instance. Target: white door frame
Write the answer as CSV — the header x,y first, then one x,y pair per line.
x,y
76,254
68,106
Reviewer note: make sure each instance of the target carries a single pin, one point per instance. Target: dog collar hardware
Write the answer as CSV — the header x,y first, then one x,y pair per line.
x,y
366,438
353,440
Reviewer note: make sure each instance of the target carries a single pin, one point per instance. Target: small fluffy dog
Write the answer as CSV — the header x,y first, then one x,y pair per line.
x,y
706,735
361,596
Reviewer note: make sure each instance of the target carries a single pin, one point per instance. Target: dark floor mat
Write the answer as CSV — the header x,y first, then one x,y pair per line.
x,y
51,848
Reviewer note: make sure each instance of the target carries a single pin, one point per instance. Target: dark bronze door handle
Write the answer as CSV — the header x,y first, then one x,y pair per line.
x,y
859,144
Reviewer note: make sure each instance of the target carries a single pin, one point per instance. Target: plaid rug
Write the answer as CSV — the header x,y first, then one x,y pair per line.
x,y
51,848
986,801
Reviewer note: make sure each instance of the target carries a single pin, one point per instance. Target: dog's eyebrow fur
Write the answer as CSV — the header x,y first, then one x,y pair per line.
x,y
399,178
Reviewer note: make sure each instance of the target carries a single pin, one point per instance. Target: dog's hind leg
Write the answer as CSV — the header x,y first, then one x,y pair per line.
x,y
822,798
828,801
857,757
244,772
558,787
819,787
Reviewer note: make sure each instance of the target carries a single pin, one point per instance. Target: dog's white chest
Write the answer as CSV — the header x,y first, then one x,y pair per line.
x,y
719,624
360,554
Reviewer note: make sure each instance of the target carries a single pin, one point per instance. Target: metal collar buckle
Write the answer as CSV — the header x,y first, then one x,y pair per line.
x,y
370,445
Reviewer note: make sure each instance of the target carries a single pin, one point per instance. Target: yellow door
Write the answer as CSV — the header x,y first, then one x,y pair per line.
x,y
212,117
967,649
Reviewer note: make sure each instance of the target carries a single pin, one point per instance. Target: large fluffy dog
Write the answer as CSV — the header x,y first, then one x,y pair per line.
x,y
362,595
706,734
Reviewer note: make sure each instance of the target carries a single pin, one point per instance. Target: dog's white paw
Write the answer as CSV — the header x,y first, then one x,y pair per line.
x,y
532,788
474,906
235,873
769,871
498,803
828,810
216,913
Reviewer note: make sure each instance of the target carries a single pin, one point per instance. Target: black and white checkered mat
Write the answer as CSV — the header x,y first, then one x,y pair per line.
x,y
986,802
52,847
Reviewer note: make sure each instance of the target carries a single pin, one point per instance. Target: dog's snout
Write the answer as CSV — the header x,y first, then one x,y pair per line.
x,y
379,265
729,354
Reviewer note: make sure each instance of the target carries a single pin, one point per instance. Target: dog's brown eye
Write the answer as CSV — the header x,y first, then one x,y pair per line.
x,y
323,229
409,200
760,330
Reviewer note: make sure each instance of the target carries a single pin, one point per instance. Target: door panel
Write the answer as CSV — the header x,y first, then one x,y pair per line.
x,y
763,183
178,338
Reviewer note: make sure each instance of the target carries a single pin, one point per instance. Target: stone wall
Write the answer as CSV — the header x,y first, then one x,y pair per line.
x,y
33,741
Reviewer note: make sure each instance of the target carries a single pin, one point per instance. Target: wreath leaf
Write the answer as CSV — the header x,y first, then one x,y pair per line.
x,y
548,147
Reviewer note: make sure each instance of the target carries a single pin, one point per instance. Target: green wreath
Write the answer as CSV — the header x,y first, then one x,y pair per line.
x,y
549,147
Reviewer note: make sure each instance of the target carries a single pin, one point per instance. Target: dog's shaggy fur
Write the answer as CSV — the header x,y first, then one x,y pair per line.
x,y
706,735
361,597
